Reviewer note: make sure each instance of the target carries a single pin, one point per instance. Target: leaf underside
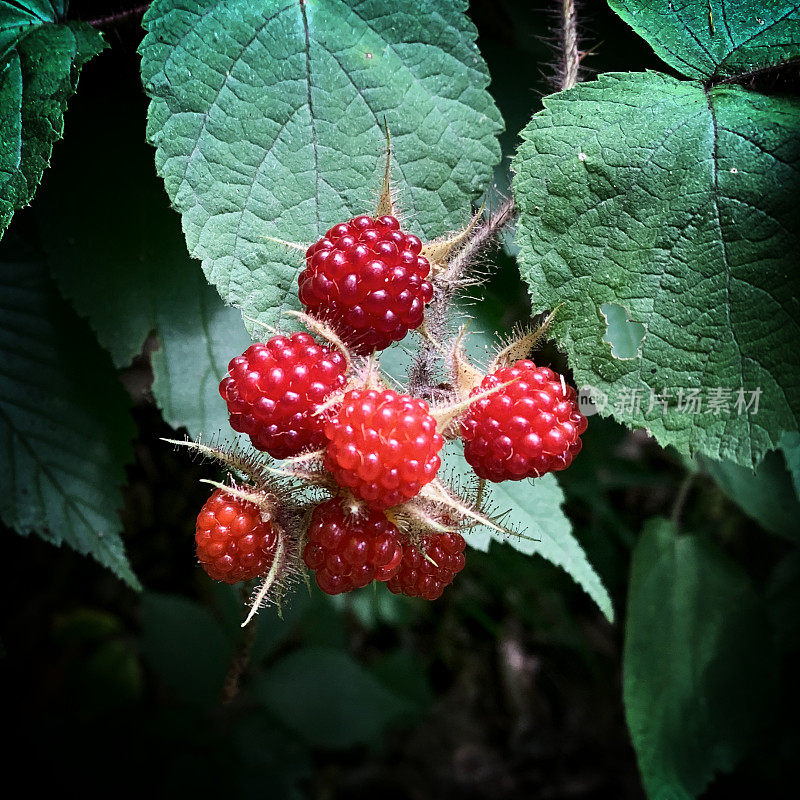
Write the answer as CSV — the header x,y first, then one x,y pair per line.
x,y
534,509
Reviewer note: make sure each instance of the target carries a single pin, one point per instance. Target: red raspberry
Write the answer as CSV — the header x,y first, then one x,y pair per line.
x,y
273,389
418,577
348,551
525,430
382,446
233,541
367,279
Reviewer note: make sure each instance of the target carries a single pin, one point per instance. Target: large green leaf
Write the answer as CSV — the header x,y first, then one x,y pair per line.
x,y
716,38
65,430
766,494
40,61
697,662
129,273
678,205
268,121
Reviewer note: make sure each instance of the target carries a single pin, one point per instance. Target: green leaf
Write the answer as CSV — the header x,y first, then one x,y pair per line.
x,y
65,430
185,646
716,38
534,509
40,61
128,271
697,662
678,205
268,121
766,494
329,699
790,444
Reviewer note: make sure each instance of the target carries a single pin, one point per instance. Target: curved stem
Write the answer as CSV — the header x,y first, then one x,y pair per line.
x,y
239,661
120,16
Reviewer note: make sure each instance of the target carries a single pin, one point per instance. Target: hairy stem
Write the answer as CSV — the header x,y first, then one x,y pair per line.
x,y
120,16
422,372
570,54
239,661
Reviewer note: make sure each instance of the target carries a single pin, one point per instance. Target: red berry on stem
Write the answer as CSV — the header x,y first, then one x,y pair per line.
x,y
418,576
530,427
349,550
367,279
233,541
382,446
273,389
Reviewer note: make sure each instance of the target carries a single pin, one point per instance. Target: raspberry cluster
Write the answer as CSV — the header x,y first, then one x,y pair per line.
x,y
382,446
273,389
367,279
233,541
348,550
529,427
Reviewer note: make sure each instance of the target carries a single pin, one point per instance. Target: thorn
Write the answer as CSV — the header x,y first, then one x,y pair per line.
x,y
272,331
277,563
522,346
385,204
325,331
438,251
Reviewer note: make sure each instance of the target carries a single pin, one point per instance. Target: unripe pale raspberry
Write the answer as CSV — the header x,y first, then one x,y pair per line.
x,y
367,279
233,541
530,427
273,389
349,550
418,577
382,446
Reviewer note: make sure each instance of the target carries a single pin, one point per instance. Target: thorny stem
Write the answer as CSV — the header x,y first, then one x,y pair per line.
x,y
240,660
120,16
570,54
422,372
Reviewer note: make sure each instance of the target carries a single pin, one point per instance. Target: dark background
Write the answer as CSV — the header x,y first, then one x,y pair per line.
x,y
508,687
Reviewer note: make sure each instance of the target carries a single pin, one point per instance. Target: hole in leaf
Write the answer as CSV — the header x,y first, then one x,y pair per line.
x,y
622,333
